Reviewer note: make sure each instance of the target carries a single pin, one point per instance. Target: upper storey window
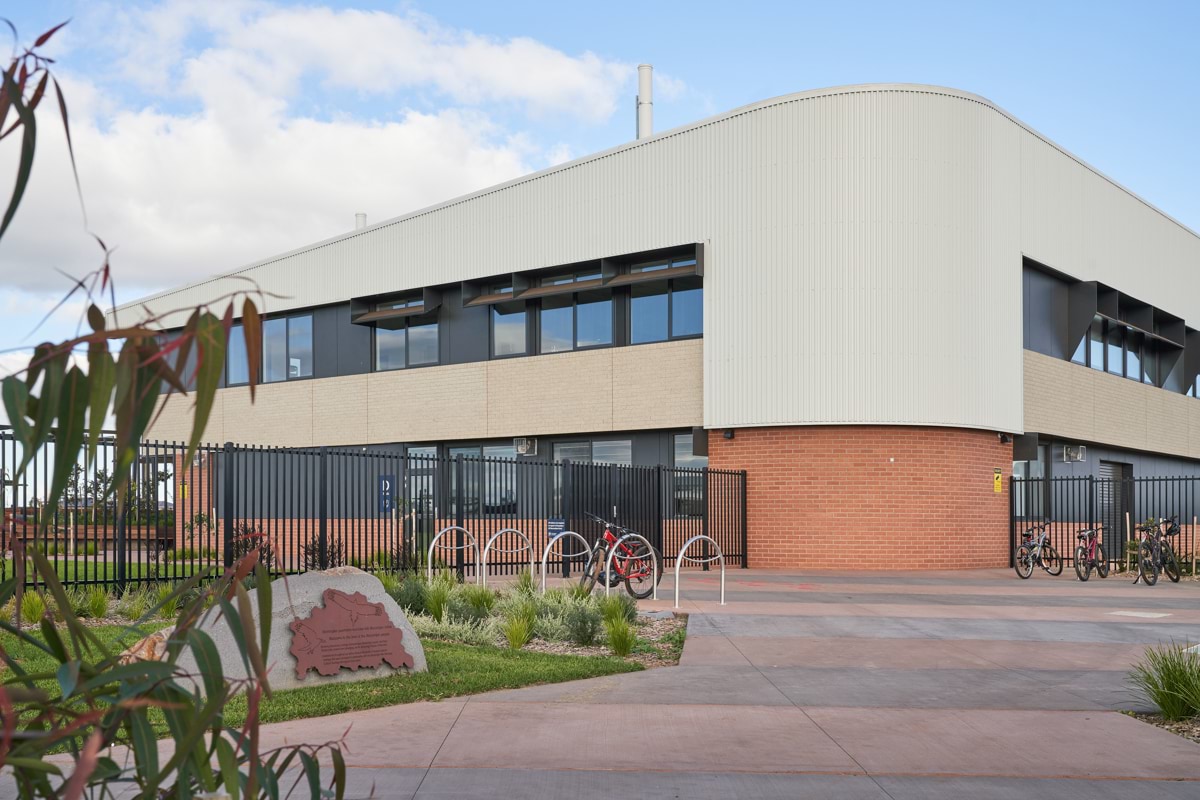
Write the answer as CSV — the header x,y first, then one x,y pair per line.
x,y
407,341
670,309
508,325
575,320
287,352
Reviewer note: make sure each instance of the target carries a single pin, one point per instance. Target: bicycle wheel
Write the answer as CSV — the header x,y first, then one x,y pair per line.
x,y
1083,565
1147,569
591,570
1051,561
1023,561
641,568
1101,562
1170,565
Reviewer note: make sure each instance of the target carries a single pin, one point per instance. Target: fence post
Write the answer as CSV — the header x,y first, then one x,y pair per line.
x,y
227,503
1013,488
564,468
659,532
460,474
705,523
745,524
323,508
122,534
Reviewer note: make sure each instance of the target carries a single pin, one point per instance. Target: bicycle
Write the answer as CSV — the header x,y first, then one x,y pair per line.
x,y
1155,553
1090,553
1035,548
634,563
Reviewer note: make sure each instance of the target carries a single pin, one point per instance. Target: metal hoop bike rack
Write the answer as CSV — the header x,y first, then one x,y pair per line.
x,y
558,538
487,548
612,552
474,544
684,557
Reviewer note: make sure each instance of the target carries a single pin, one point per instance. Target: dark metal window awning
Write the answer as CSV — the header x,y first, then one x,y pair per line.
x,y
677,262
394,315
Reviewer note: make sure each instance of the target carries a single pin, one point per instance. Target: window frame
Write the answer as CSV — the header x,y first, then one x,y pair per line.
x,y
670,293
574,306
493,311
287,351
421,322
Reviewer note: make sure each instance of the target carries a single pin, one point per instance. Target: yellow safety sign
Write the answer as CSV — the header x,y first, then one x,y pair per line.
x,y
997,481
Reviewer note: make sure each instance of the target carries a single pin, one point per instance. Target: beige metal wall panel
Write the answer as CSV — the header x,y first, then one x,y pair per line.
x,y
658,386
550,394
647,387
427,404
863,250
1074,402
340,410
174,423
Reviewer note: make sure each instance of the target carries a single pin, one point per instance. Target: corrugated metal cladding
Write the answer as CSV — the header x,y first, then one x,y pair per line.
x,y
864,249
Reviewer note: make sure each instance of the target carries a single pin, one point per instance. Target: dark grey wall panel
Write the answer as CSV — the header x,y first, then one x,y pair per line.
x,y
1145,465
354,352
1047,301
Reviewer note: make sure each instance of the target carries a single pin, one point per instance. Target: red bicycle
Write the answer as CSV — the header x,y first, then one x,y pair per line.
x,y
1090,554
634,563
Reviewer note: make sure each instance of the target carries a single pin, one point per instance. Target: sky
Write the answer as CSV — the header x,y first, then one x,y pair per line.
x,y
213,134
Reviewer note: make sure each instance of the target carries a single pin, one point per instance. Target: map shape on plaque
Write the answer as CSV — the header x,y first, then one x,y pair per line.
x,y
350,632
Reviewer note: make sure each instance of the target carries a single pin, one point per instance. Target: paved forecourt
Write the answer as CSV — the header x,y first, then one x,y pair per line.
x,y
838,685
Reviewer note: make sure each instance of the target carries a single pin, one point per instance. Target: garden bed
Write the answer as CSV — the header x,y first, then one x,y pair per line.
x,y
1187,728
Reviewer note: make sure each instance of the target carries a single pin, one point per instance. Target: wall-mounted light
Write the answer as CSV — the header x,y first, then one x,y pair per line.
x,y
1005,438
728,433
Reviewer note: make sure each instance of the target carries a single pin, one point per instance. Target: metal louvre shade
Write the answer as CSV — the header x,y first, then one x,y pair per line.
x,y
383,314
629,278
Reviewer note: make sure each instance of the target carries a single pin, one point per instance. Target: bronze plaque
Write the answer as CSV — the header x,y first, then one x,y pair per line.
x,y
351,632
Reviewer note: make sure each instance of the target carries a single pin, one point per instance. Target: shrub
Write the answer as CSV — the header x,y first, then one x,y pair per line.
x,y
524,584
1169,677
577,592
412,595
335,552
437,599
33,607
97,602
78,599
622,636
87,549
583,623
618,606
465,632
247,539
133,604
481,599
517,630
168,606
391,583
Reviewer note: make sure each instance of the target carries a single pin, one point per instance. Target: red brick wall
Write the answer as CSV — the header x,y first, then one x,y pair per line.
x,y
871,497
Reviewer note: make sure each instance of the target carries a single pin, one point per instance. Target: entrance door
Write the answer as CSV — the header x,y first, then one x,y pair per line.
x,y
1112,498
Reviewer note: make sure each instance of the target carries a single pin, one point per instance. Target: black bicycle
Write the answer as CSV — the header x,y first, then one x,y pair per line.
x,y
1155,553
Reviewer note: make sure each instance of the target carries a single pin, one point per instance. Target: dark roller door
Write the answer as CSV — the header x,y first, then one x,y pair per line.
x,y
1112,496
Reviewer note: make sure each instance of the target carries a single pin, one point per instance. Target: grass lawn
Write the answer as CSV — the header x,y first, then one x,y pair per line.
x,y
454,670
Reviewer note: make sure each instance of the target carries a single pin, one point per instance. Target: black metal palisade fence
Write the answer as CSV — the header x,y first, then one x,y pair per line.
x,y
374,508
1071,504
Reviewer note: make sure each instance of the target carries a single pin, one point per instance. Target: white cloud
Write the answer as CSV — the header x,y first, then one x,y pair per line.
x,y
239,173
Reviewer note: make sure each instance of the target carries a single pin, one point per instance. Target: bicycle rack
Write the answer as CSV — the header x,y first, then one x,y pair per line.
x,y
683,557
654,572
549,545
487,547
474,543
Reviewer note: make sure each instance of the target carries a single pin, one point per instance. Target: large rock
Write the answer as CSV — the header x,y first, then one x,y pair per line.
x,y
306,593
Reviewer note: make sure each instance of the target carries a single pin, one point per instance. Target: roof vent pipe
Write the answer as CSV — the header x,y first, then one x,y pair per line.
x,y
645,101
360,221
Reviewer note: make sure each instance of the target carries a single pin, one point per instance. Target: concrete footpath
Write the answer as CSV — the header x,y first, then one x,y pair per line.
x,y
829,685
